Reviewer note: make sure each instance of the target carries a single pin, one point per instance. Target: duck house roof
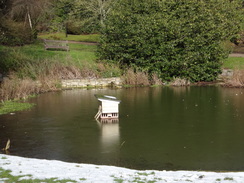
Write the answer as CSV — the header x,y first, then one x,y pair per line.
x,y
107,98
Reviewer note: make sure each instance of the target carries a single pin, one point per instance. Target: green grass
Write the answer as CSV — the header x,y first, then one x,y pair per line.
x,y
6,174
228,178
234,63
12,106
31,56
78,52
61,36
36,51
8,177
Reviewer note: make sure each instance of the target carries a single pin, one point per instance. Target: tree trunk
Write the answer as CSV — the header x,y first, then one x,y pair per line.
x,y
29,18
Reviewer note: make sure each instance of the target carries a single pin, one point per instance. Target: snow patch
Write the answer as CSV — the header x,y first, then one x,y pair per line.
x,y
32,168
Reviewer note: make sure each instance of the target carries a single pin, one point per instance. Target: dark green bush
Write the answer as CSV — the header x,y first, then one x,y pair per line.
x,y
16,34
172,38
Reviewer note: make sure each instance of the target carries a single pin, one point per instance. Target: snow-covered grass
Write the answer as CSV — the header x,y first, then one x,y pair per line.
x,y
18,169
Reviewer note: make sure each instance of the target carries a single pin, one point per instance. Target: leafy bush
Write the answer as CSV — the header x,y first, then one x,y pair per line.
x,y
172,38
16,34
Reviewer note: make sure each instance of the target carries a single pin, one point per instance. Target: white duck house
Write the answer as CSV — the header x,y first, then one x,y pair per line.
x,y
109,108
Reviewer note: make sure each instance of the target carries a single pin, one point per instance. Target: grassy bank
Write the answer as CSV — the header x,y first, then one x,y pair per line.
x,y
31,63
36,51
32,58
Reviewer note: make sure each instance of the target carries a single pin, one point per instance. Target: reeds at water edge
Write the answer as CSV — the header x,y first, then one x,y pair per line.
x,y
237,80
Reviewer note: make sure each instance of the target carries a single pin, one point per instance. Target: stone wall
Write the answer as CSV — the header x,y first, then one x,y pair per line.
x,y
99,82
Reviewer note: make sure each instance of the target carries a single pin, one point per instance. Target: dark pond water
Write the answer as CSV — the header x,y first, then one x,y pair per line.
x,y
178,128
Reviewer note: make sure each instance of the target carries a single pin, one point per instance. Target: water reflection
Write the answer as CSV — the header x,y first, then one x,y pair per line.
x,y
110,137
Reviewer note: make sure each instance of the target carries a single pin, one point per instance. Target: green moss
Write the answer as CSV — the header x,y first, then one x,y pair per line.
x,y
12,106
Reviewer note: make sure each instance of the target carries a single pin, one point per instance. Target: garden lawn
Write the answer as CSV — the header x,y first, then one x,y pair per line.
x,y
234,63
36,51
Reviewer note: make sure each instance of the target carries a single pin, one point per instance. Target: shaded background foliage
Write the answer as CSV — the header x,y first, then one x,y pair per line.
x,y
172,38
70,16
19,21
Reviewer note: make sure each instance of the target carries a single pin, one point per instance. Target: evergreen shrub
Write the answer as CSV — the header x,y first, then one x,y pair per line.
x,y
181,39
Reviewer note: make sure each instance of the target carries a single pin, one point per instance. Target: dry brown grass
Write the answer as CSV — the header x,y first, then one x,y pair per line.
x,y
179,82
15,88
58,69
43,77
155,80
135,78
237,79
139,78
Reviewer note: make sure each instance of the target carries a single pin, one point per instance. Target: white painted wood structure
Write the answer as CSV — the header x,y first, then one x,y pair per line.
x,y
109,108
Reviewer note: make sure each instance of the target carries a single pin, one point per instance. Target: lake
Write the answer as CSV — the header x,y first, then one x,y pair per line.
x,y
163,128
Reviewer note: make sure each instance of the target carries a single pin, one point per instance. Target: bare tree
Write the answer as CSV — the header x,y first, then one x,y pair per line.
x,y
28,10
97,9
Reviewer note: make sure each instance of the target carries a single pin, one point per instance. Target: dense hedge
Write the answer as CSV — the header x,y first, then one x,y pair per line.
x,y
172,38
